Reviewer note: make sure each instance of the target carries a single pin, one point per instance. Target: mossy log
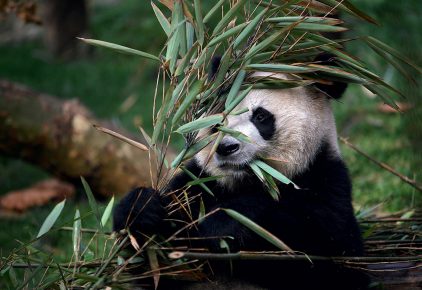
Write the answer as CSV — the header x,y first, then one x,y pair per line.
x,y
58,136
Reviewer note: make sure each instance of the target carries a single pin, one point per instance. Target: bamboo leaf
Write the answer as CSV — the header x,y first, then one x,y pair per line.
x,y
196,181
226,34
257,229
153,262
248,29
92,202
305,19
377,46
107,212
228,16
194,91
200,123
236,134
224,67
265,43
234,90
213,10
273,172
51,218
237,100
186,59
165,24
280,68
119,48
346,6
200,32
314,27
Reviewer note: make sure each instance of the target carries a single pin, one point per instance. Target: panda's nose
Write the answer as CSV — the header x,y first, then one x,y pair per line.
x,y
227,148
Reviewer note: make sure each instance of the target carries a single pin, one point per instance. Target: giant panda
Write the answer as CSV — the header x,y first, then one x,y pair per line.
x,y
294,131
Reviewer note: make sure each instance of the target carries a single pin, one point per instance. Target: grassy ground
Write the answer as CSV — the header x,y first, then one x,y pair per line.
x,y
105,80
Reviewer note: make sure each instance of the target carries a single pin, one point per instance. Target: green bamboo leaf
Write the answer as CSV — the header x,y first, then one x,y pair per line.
x,y
107,212
92,202
258,172
190,35
202,58
198,146
346,6
278,84
237,100
383,95
165,24
77,235
200,123
51,218
334,73
265,43
248,29
213,10
273,172
271,186
178,159
186,59
234,90
236,134
377,46
199,22
196,181
194,91
228,16
153,263
223,68
257,229
177,28
119,48
280,68
267,180
162,115
226,34
369,75
314,27
238,112
305,19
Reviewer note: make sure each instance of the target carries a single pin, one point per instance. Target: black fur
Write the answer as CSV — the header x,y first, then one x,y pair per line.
x,y
316,219
336,89
264,121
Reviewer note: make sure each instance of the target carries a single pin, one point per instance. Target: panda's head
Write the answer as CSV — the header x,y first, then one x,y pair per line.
x,y
285,127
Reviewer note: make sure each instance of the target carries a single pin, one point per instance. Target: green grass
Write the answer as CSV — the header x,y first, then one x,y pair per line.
x,y
104,80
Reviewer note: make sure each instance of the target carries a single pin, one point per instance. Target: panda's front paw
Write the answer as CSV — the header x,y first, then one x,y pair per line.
x,y
141,211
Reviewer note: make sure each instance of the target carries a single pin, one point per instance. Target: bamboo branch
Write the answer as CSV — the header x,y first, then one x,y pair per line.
x,y
285,257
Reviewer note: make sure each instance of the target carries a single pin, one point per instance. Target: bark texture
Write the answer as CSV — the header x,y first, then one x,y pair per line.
x,y
59,137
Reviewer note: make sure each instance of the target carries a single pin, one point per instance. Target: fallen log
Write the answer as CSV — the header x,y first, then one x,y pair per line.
x,y
59,136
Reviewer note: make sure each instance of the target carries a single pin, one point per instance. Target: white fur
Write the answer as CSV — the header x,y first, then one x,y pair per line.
x,y
303,120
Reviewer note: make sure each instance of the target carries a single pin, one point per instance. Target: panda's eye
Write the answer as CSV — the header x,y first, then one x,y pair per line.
x,y
260,117
264,121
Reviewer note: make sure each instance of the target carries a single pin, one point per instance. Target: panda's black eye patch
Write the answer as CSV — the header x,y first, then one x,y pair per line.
x,y
264,121
214,129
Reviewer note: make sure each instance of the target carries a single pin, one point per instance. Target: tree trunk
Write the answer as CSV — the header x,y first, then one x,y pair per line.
x,y
59,137
63,21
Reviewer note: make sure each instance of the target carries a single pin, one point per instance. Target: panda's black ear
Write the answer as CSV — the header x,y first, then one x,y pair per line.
x,y
215,64
335,89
